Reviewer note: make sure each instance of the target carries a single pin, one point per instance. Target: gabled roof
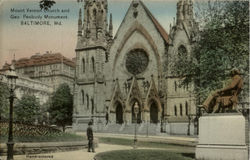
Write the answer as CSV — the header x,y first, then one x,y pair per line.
x,y
160,29
116,95
134,92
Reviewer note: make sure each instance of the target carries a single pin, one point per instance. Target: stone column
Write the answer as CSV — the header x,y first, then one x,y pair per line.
x,y
159,116
127,117
112,117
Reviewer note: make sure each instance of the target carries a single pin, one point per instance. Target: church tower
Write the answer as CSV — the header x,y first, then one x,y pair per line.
x,y
180,100
184,11
93,38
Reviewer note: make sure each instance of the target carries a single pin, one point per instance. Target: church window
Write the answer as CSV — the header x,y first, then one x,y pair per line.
x,y
92,105
87,101
94,14
182,51
82,96
137,61
181,109
186,108
83,65
175,110
93,64
175,86
87,15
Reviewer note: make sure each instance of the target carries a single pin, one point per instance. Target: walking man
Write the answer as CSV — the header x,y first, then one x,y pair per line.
x,y
90,137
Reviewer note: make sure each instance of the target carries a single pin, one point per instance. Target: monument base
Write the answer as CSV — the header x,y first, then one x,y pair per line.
x,y
221,152
222,137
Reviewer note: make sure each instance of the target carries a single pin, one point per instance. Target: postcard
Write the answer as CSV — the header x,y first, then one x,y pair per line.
x,y
124,79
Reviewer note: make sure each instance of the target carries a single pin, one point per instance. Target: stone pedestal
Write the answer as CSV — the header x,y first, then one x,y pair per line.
x,y
222,137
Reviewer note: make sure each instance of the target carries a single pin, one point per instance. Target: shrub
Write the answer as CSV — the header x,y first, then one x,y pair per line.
x,y
35,133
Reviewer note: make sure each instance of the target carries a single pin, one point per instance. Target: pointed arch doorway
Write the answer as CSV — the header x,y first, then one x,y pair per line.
x,y
119,113
153,112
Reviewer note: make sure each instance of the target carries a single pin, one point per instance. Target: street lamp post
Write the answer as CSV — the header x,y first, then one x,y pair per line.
x,y
11,76
136,111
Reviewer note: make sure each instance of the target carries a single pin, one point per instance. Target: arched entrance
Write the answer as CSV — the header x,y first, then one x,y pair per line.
x,y
153,112
138,115
119,113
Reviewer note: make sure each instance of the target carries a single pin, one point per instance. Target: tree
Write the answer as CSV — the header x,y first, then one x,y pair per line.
x,y
222,45
46,4
27,109
4,102
61,108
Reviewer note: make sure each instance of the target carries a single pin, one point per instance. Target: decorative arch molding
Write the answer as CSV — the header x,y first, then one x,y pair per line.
x,y
137,27
150,102
116,97
152,96
134,95
115,104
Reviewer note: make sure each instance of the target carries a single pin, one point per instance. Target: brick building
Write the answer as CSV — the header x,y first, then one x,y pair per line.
x,y
49,68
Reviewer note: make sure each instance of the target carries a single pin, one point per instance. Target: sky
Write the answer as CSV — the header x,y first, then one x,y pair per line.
x,y
26,40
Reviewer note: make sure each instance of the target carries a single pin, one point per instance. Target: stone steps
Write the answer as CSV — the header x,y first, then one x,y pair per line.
x,y
142,129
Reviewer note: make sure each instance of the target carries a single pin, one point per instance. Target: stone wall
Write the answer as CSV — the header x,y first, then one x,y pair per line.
x,y
45,147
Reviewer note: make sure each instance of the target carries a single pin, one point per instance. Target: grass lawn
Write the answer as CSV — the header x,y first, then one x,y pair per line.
x,y
163,147
141,154
36,133
129,142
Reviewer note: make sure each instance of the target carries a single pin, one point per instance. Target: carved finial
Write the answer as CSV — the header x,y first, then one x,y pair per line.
x,y
80,23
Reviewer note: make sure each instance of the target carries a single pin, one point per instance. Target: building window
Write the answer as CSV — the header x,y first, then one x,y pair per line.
x,y
186,106
87,101
92,106
83,65
181,109
93,64
82,96
175,86
175,110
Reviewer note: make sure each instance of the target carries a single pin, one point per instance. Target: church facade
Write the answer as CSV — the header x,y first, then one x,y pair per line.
x,y
113,73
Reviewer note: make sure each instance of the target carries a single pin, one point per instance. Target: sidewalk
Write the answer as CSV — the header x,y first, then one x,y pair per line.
x,y
71,155
170,139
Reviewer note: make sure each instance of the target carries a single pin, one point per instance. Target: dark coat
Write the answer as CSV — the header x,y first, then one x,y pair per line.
x,y
90,133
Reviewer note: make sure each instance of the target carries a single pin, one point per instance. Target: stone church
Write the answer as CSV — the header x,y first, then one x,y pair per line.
x,y
113,73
